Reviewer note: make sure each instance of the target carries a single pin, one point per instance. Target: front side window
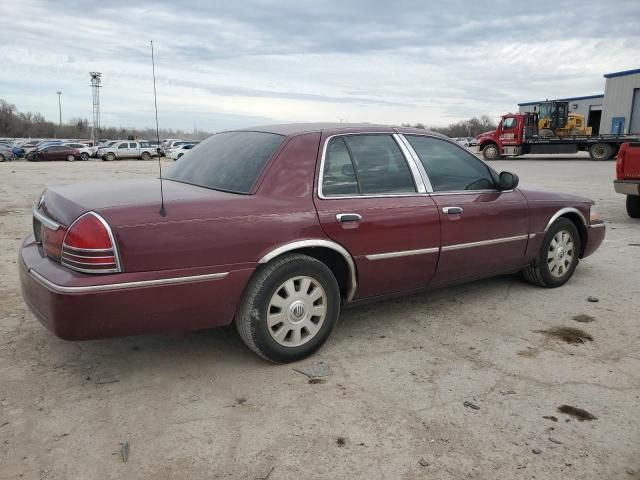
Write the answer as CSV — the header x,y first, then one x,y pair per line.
x,y
508,123
449,167
366,165
230,161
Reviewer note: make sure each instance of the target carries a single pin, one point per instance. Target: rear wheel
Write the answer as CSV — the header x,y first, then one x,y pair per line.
x,y
558,256
70,158
633,206
289,308
491,152
84,156
600,151
145,156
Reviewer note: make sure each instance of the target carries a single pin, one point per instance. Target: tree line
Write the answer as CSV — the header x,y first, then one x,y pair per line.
x,y
464,128
15,124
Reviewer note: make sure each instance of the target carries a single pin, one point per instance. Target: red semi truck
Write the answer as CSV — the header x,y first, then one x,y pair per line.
x,y
517,134
627,179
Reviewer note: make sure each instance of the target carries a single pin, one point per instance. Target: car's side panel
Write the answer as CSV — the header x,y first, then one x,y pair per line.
x,y
490,234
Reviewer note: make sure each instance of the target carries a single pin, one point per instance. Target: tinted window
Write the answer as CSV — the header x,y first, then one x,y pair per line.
x,y
450,167
123,145
133,145
379,164
338,177
230,161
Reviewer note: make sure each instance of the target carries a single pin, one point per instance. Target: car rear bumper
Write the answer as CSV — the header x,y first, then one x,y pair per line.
x,y
80,307
595,236
627,187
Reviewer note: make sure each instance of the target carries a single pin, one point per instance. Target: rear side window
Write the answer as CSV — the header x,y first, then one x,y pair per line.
x,y
450,167
366,165
230,161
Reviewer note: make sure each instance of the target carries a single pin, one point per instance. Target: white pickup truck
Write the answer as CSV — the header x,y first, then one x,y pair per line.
x,y
128,149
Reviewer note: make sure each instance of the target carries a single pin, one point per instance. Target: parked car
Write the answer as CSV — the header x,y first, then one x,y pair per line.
x,y
178,152
126,149
6,154
173,145
278,229
627,179
85,151
54,152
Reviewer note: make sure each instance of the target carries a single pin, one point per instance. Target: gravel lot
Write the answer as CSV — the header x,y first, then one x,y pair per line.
x,y
201,405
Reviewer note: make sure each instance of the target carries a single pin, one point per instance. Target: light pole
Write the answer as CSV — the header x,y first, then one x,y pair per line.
x,y
59,106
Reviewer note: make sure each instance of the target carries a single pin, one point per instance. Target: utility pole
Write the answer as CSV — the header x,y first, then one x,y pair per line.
x,y
59,106
95,89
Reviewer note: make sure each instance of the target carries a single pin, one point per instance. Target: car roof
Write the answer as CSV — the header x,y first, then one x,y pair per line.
x,y
292,129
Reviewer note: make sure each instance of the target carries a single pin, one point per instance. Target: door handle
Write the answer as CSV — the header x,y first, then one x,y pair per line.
x,y
452,210
348,217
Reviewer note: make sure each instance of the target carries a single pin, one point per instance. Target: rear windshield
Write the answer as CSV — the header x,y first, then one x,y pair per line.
x,y
230,161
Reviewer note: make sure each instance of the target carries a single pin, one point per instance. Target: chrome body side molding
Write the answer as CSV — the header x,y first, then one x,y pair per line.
x,y
54,287
482,243
404,253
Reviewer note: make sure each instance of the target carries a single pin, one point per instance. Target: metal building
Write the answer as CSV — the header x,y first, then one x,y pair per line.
x,y
621,113
590,107
617,111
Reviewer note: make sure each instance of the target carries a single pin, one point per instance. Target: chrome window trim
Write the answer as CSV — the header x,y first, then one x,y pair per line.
x,y
418,179
119,286
563,211
116,253
416,160
482,243
392,134
46,221
310,243
403,253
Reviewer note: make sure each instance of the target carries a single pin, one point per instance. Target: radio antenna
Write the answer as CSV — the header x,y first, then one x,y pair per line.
x,y
163,212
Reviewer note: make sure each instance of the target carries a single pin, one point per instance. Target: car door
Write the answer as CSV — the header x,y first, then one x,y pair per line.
x,y
123,150
134,151
371,200
483,230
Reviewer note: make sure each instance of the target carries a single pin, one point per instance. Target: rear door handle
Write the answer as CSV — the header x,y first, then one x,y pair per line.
x,y
348,217
452,210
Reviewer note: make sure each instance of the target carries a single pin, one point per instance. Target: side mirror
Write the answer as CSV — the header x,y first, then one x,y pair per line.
x,y
508,181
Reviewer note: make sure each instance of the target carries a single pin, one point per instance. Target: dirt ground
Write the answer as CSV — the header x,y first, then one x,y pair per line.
x,y
201,405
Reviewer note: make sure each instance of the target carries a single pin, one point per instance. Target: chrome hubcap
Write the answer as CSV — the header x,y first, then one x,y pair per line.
x,y
296,311
560,254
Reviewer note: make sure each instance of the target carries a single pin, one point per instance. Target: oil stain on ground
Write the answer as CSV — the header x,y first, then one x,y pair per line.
x,y
584,318
567,334
576,412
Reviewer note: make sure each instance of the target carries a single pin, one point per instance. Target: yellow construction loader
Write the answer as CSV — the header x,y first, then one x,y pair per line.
x,y
555,120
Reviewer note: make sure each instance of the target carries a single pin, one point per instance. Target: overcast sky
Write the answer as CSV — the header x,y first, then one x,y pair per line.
x,y
239,63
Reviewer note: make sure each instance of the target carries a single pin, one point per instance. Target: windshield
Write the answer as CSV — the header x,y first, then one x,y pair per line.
x,y
230,161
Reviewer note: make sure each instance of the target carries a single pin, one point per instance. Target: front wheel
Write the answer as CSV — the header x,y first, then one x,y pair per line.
x,y
558,256
110,157
289,308
633,206
84,156
491,152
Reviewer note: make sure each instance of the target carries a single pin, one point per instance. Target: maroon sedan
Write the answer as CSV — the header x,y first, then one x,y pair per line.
x,y
54,152
277,228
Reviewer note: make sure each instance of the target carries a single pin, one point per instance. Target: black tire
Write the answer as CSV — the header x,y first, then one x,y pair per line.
x,y
491,152
600,152
539,272
633,206
251,316
547,133
145,156
84,156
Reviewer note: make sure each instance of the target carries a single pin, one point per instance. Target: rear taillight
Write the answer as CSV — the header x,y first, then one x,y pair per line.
x,y
89,246
620,161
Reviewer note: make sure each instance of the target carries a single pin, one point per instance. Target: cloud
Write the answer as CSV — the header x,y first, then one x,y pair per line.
x,y
231,64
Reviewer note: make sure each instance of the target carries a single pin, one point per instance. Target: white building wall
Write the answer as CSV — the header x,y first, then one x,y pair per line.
x,y
618,93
